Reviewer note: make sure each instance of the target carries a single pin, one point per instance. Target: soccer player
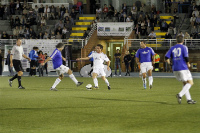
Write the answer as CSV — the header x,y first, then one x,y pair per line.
x,y
145,57
180,61
33,56
15,60
98,67
59,67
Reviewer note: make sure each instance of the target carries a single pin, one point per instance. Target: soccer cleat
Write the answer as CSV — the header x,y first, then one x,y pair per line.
x,y
178,98
191,102
144,85
10,83
21,87
120,75
109,87
95,88
150,87
53,89
79,83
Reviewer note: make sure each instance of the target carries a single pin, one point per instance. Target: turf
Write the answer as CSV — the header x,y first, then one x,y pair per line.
x,y
126,108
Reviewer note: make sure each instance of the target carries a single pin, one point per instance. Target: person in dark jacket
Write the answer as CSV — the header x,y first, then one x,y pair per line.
x,y
127,60
1,60
10,69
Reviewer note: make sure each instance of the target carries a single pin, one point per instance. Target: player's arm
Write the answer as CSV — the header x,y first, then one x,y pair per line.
x,y
187,61
63,58
86,58
137,61
153,59
26,57
11,60
108,65
48,59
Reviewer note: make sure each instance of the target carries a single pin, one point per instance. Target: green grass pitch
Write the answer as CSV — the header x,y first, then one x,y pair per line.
x,y
126,108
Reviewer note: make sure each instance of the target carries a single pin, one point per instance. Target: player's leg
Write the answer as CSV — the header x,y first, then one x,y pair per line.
x,y
61,76
94,77
144,74
106,81
150,78
20,73
71,75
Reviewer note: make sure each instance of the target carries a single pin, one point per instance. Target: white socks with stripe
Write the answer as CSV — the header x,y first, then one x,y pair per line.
x,y
185,91
106,81
150,80
73,78
56,83
95,82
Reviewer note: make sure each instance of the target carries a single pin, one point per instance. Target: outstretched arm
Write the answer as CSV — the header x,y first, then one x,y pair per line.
x,y
86,58
108,65
26,57
153,61
48,59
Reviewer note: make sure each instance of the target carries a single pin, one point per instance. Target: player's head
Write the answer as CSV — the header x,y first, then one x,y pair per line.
x,y
35,48
60,46
142,44
180,39
99,48
19,42
40,52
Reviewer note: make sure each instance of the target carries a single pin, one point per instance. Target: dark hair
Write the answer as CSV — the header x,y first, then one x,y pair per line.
x,y
180,39
40,51
59,45
35,47
143,41
99,45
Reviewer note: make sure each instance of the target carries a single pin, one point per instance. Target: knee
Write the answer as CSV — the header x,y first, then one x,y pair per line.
x,y
61,77
104,78
69,71
20,73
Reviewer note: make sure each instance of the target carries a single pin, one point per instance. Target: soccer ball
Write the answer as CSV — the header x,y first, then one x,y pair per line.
x,y
89,87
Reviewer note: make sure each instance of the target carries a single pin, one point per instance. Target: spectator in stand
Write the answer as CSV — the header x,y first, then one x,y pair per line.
x,y
194,32
172,28
18,7
175,15
23,20
80,6
116,16
48,30
46,11
195,12
124,8
153,9
193,20
32,21
62,11
36,9
105,9
198,20
12,22
17,21
53,35
140,19
25,11
67,22
53,12
152,35
154,20
59,24
59,30
1,12
168,36
142,9
6,12
16,32
149,26
134,10
110,11
66,14
43,22
27,33
57,12
143,27
32,33
58,36
128,19
5,35
164,26
21,32
137,31
64,32
98,11
12,7
40,36
186,36
73,16
41,10
46,36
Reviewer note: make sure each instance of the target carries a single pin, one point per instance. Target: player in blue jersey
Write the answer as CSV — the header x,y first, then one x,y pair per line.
x,y
180,65
33,56
59,67
145,57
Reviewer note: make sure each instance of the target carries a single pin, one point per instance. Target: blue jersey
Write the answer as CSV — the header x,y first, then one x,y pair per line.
x,y
178,54
57,58
91,59
145,54
33,55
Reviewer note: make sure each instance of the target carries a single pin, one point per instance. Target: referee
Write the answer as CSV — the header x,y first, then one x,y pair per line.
x,y
15,60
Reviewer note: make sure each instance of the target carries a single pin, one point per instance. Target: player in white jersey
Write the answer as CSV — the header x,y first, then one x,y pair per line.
x,y
98,68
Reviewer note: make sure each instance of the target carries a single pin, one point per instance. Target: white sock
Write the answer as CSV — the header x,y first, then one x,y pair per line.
x,y
56,83
106,81
73,78
185,89
95,82
144,80
150,80
187,95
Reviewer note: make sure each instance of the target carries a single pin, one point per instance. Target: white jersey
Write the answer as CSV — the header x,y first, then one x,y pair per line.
x,y
98,59
17,52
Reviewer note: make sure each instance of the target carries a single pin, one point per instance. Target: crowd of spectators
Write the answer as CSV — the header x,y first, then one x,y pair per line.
x,y
31,23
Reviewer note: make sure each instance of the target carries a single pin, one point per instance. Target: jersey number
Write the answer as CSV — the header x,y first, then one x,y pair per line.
x,y
177,52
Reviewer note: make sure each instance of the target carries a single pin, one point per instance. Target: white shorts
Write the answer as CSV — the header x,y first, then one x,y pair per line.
x,y
62,69
99,71
183,75
146,66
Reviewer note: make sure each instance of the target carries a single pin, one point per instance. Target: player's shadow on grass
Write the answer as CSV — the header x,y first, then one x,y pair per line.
x,y
127,100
